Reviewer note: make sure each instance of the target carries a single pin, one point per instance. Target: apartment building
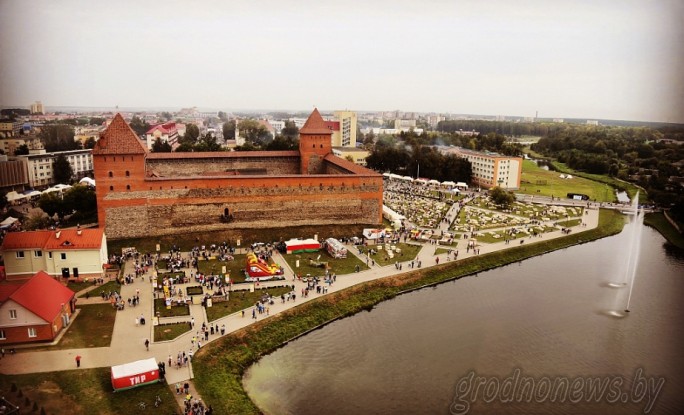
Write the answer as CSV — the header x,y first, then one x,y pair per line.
x,y
39,170
491,169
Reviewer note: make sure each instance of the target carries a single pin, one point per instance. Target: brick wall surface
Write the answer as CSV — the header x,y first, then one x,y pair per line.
x,y
257,208
273,166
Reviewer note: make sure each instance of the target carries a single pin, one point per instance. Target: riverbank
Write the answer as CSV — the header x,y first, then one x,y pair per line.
x,y
220,365
658,221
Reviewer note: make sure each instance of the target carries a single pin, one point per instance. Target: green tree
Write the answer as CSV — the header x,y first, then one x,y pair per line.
x,y
52,204
61,169
37,220
89,142
58,137
502,198
139,125
192,133
96,121
369,140
21,150
207,143
281,143
254,132
229,130
160,147
290,130
80,199
165,116
223,116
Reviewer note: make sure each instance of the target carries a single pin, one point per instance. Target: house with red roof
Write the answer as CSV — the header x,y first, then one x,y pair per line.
x,y
167,133
35,310
66,253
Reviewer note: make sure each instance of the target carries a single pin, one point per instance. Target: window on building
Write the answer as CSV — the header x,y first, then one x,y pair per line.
x,y
111,187
20,254
127,173
13,314
32,332
38,254
50,255
128,187
3,336
111,174
62,255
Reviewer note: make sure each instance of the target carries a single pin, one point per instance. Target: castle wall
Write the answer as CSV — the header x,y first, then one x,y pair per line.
x,y
271,166
252,203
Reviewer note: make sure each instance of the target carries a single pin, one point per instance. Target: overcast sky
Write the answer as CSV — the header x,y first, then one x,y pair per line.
x,y
611,59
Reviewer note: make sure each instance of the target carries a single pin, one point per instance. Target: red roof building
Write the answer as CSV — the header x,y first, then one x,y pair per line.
x,y
34,311
166,133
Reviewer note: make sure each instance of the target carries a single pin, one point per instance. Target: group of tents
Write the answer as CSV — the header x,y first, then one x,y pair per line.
x,y
423,181
16,198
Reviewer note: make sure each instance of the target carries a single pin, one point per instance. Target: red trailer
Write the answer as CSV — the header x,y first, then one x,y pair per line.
x,y
134,374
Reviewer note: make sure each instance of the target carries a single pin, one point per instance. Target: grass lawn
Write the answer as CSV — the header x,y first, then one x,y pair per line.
x,y
106,287
569,223
176,310
236,267
660,223
239,300
165,332
92,328
337,265
78,286
618,184
84,392
555,186
408,252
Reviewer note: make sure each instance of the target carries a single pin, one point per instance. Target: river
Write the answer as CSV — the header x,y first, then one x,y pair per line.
x,y
546,316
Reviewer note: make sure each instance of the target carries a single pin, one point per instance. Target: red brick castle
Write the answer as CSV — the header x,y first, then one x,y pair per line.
x,y
152,194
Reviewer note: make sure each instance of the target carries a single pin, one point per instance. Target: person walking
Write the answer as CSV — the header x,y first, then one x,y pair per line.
x,y
147,344
78,360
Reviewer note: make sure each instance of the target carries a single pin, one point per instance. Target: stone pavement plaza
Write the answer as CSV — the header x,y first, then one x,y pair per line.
x,y
128,340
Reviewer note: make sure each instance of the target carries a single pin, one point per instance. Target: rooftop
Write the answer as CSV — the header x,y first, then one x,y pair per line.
x,y
118,138
53,240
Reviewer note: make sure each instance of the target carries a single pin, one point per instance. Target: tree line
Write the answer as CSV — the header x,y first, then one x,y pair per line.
x,y
640,155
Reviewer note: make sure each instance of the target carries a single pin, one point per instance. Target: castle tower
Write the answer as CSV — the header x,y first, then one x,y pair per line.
x,y
118,163
314,144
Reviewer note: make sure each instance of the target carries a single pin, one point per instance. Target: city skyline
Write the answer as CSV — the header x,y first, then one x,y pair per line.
x,y
597,60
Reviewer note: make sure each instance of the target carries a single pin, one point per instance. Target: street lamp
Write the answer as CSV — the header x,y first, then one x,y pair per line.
x,y
418,171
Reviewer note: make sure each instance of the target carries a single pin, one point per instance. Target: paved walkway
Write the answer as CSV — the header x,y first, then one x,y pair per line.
x,y
128,338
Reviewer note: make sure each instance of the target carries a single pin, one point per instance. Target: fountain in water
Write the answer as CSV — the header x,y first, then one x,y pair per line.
x,y
635,247
632,255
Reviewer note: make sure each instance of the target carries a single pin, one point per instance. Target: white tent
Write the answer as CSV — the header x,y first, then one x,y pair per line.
x,y
383,175
57,188
7,222
421,181
406,178
14,196
33,193
88,181
449,184
461,185
433,181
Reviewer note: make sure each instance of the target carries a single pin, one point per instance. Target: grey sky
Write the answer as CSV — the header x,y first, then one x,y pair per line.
x,y
616,59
